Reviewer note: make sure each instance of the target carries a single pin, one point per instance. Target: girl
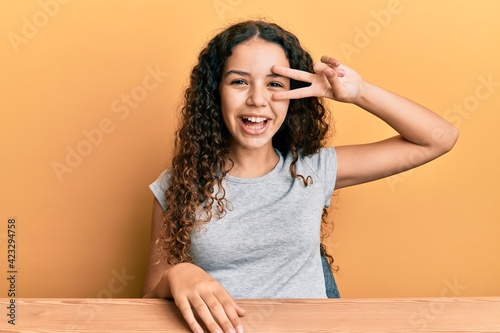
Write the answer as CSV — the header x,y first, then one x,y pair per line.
x,y
239,212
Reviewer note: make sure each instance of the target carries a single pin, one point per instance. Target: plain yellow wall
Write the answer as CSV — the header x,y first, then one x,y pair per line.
x,y
83,219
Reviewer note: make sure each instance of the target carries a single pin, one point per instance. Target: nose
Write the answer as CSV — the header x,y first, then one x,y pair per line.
x,y
257,96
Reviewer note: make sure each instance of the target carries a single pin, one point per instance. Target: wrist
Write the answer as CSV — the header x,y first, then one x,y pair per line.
x,y
364,95
163,287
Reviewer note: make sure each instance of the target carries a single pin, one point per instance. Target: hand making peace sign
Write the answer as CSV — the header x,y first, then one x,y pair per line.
x,y
330,79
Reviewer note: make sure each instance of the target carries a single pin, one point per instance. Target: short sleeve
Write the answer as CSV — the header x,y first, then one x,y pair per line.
x,y
324,165
159,186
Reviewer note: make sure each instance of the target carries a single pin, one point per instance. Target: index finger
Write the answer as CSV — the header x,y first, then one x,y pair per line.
x,y
294,94
292,73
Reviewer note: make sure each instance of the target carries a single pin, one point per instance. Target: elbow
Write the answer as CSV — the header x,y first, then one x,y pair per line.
x,y
446,138
145,294
148,293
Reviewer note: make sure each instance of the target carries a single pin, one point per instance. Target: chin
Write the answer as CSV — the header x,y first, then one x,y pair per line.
x,y
253,144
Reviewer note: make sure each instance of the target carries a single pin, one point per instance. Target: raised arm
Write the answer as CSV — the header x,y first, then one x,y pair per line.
x,y
423,135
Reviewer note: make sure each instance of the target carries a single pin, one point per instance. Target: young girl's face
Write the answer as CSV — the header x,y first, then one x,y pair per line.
x,y
246,90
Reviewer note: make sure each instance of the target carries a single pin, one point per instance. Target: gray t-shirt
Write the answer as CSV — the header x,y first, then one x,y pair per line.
x,y
268,243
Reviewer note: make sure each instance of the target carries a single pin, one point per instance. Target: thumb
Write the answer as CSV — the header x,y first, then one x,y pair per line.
x,y
332,77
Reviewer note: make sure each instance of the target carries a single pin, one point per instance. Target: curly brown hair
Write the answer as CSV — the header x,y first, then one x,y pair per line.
x,y
201,157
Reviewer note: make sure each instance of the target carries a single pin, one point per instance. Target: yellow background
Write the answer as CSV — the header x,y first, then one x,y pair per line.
x,y
84,232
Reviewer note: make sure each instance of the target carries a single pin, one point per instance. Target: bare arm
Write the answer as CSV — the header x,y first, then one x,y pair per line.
x,y
156,284
423,135
191,287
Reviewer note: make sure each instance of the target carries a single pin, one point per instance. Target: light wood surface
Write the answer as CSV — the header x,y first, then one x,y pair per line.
x,y
325,315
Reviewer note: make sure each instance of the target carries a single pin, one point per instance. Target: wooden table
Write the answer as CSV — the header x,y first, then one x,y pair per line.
x,y
325,315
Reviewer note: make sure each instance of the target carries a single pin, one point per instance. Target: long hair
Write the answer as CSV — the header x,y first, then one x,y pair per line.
x,y
201,156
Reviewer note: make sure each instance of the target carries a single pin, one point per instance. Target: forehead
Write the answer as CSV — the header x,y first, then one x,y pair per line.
x,y
256,55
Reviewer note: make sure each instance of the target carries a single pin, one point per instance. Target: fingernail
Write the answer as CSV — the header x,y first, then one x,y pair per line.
x,y
230,331
239,329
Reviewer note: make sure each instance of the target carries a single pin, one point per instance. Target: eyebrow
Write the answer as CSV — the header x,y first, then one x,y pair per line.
x,y
242,73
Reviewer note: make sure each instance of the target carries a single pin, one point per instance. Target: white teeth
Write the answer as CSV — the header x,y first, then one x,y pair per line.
x,y
255,119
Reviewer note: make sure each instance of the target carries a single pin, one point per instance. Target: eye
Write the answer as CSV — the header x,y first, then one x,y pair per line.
x,y
276,84
238,82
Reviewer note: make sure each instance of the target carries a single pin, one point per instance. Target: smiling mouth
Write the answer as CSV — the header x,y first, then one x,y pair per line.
x,y
254,122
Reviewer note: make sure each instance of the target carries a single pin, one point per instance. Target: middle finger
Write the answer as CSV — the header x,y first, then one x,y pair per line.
x,y
292,73
216,312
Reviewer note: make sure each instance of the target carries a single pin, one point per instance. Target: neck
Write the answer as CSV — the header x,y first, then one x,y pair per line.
x,y
252,163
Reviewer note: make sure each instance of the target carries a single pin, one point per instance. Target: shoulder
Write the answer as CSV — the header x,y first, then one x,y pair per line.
x,y
322,153
322,167
160,185
324,158
322,164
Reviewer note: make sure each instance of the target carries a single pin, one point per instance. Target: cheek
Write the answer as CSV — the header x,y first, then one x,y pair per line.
x,y
226,119
231,101
225,105
281,107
